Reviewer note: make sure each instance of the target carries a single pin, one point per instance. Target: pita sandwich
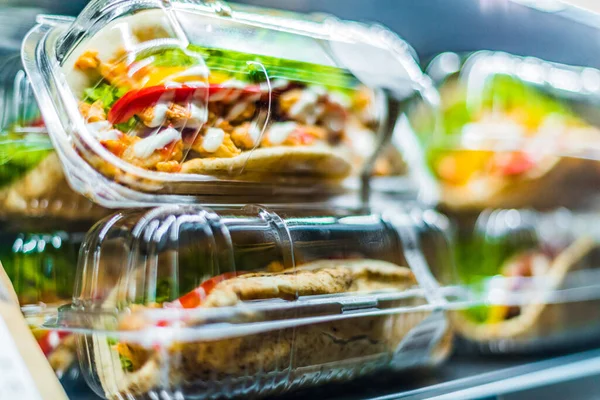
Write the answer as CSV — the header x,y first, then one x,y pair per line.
x,y
169,109
287,353
539,318
44,191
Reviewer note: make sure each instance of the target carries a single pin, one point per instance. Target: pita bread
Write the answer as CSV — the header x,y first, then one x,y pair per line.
x,y
291,355
538,319
316,160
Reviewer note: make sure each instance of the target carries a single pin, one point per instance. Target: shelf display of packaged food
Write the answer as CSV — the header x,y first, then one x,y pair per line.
x,y
41,267
32,183
535,275
149,104
516,132
199,303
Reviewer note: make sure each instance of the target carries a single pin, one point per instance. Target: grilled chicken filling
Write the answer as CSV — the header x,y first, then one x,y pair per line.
x,y
229,120
525,265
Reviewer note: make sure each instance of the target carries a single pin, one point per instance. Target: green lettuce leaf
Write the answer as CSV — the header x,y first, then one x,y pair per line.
x,y
21,153
249,67
104,92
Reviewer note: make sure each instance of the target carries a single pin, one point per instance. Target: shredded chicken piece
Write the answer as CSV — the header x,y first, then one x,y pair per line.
x,y
115,71
362,98
178,113
117,74
225,125
168,166
382,167
171,152
92,112
288,99
146,116
117,147
315,131
302,135
88,60
241,136
227,150
241,112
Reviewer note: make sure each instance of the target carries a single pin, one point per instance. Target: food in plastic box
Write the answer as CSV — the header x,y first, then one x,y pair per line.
x,y
177,100
246,301
32,182
535,275
41,267
516,132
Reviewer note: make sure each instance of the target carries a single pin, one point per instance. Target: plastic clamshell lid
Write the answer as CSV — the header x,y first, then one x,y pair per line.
x,y
188,300
32,183
157,102
517,132
536,276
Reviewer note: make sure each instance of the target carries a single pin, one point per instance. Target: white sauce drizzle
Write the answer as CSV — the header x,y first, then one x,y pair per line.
x,y
173,85
306,108
237,110
234,83
145,147
339,99
275,84
213,139
198,116
102,130
159,115
254,132
218,96
280,131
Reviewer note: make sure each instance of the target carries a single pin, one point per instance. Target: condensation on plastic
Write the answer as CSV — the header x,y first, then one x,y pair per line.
x,y
344,56
32,183
534,276
137,260
517,132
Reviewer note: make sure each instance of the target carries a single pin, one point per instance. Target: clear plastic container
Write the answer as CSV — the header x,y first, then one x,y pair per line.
x,y
32,183
191,101
533,278
41,267
517,132
188,302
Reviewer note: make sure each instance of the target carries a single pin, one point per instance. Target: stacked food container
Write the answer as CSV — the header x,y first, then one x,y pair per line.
x,y
197,111
516,169
257,165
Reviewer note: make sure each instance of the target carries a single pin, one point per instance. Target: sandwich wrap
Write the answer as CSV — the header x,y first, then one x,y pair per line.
x,y
539,318
514,147
42,190
255,356
197,111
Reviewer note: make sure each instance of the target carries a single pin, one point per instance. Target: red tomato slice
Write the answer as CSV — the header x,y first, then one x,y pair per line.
x,y
195,298
50,341
135,101
516,164
38,123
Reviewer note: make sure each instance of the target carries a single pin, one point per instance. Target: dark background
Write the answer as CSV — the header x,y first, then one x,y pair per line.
x,y
431,26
